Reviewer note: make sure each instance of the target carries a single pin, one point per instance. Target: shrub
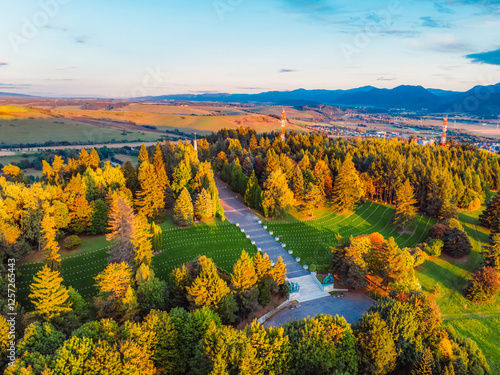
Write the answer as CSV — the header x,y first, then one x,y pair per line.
x,y
439,231
434,247
454,223
483,286
312,268
457,244
72,241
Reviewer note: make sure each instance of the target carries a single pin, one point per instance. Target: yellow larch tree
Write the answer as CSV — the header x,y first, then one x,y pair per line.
x,y
262,264
142,242
50,245
279,271
151,197
208,289
84,158
48,295
244,275
115,279
143,154
12,171
95,160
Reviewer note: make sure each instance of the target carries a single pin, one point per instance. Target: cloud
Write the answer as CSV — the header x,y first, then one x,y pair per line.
x,y
443,9
432,22
250,88
287,70
2,63
13,86
490,57
441,43
400,32
81,39
385,79
63,29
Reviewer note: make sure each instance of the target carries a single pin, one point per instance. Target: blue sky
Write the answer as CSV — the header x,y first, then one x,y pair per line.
x,y
132,48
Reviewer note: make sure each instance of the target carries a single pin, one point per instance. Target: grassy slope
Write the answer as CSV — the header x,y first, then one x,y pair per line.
x,y
221,241
41,130
188,123
312,240
478,322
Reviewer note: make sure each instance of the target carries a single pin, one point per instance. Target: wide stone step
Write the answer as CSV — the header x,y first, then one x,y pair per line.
x,y
311,297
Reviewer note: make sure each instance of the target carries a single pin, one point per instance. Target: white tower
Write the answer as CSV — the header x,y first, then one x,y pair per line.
x,y
283,124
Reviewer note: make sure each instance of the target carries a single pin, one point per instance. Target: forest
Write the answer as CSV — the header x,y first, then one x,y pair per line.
x,y
138,323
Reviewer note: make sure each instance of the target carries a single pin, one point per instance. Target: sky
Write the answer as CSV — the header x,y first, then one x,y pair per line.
x,y
130,48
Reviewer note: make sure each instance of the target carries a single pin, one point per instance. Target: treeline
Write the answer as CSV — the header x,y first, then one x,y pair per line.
x,y
402,334
442,178
49,155
76,193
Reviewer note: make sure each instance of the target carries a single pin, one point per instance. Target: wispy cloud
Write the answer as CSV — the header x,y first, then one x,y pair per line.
x,y
485,24
432,22
443,9
2,63
441,43
385,79
81,39
68,68
287,70
63,29
490,57
13,86
250,88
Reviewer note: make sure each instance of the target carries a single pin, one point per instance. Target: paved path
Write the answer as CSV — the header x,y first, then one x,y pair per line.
x,y
237,213
351,306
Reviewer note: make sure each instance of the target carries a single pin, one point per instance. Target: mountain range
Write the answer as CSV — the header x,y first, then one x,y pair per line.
x,y
480,100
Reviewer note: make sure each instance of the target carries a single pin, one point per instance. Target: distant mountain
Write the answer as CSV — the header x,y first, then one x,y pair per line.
x,y
480,100
14,94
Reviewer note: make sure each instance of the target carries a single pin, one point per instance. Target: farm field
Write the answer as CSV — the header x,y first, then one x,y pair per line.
x,y
312,239
188,123
41,130
221,241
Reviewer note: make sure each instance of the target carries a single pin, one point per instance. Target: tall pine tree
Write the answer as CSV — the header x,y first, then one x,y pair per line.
x,y
122,227
183,210
203,208
404,214
347,189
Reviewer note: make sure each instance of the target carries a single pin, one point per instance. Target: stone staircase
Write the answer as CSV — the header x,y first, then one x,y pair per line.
x,y
237,213
309,289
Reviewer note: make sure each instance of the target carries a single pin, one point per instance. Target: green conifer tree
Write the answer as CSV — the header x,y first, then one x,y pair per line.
x,y
347,189
404,214
203,208
183,210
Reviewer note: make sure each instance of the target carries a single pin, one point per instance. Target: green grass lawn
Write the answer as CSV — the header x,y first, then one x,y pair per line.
x,y
444,277
221,241
312,239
